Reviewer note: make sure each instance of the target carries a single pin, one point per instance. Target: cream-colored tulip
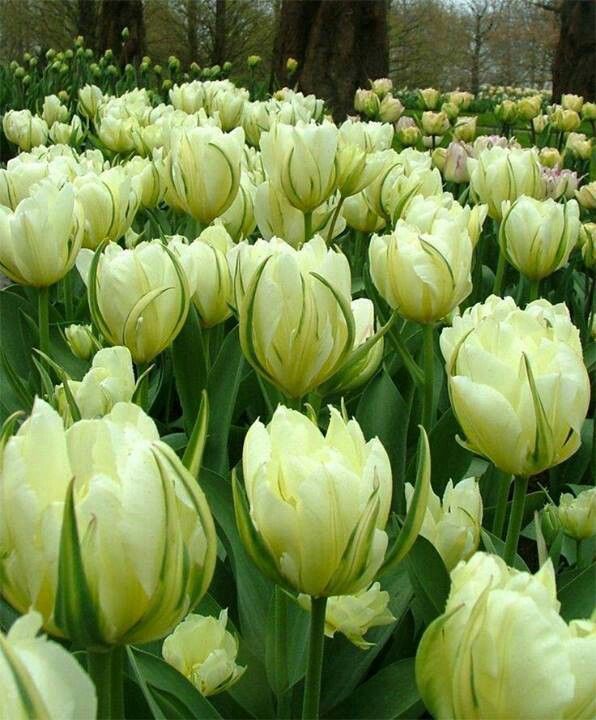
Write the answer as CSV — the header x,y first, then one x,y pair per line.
x,y
19,177
41,238
589,111
407,132
54,111
146,179
204,652
579,145
138,297
300,161
355,168
110,380
423,275
537,236
517,383
539,123
564,120
117,133
453,524
435,123
390,109
587,242
24,129
90,100
358,215
369,136
71,133
239,219
586,196
80,340
506,112
429,98
146,537
572,102
367,102
205,264
455,168
230,107
311,529
296,327
381,86
578,514
39,678
529,107
109,202
504,174
560,184
500,625
465,129
189,97
550,157
354,615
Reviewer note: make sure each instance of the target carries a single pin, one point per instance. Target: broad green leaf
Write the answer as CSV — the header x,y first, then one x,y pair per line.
x,y
576,592
450,460
496,546
190,370
429,578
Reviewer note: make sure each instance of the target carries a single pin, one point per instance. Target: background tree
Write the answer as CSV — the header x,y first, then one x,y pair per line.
x,y
114,16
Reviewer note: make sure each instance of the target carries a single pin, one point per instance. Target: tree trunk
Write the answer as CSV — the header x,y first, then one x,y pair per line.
x,y
476,55
192,22
219,45
574,65
115,15
87,22
339,45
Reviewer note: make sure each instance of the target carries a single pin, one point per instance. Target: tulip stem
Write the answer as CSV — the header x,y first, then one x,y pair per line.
x,y
312,684
43,307
406,356
534,290
504,481
280,617
67,289
501,265
307,226
429,373
106,670
334,219
520,486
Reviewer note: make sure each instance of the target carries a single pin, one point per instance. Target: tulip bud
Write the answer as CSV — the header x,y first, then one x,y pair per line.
x,y
291,65
355,169
296,327
354,615
528,108
109,381
500,624
204,652
381,87
502,174
539,123
579,145
453,525
451,110
24,129
435,123
230,108
53,110
465,129
564,120
589,111
358,215
423,275
439,156
239,219
323,533
80,340
90,99
586,196
407,133
455,167
300,161
138,298
133,518
578,514
253,60
506,112
550,525
550,157
390,109
41,238
526,425
39,678
572,102
367,102
204,170
67,133
537,236
587,242
429,98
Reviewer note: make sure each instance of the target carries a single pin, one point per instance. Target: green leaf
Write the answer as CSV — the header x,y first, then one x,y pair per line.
x,y
158,675
450,460
496,546
156,711
190,369
576,593
429,578
391,693
193,454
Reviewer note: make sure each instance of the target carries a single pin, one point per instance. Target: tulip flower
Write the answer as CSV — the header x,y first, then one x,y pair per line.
x,y
24,129
369,136
586,196
429,98
587,242
80,340
578,514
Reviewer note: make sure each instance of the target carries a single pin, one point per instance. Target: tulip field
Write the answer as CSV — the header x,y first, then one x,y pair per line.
x,y
295,410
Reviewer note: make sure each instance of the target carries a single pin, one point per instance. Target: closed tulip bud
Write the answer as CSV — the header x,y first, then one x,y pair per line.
x,y
90,99
505,396
550,157
578,514
587,242
39,678
359,216
253,60
589,111
539,123
572,102
367,102
323,534
550,525
500,624
429,98
53,110
202,650
296,327
300,161
239,219
71,133
204,170
439,155
504,174
465,129
528,108
146,179
138,297
291,65
354,615
435,123
451,110
117,133
506,112
355,168
564,120
455,167
476,222
390,109
408,135
453,524
205,264
80,340
579,145
537,236
369,136
109,202
41,238
144,533
230,107
381,86
586,196
109,381
24,129
423,275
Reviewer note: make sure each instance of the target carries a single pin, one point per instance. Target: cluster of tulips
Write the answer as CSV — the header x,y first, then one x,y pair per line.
x,y
261,372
